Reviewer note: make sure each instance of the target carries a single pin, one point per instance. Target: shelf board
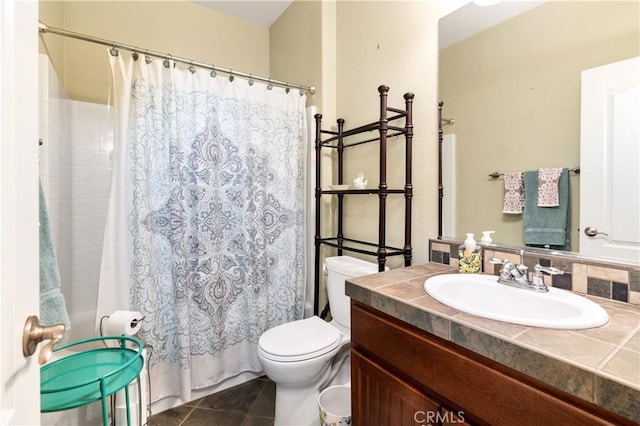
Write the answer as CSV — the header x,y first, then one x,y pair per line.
x,y
361,191
334,242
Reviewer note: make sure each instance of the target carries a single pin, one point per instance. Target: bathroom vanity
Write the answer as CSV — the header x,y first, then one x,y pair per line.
x,y
416,361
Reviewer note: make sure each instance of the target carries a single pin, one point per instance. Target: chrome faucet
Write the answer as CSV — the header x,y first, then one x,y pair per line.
x,y
517,275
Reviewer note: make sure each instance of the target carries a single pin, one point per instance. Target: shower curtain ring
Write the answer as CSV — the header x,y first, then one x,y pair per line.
x,y
269,86
167,62
287,89
213,71
113,51
147,58
250,80
134,55
192,68
231,77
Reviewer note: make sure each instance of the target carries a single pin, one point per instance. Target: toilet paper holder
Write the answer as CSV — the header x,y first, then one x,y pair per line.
x,y
126,323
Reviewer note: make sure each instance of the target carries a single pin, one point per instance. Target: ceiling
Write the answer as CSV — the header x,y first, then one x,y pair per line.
x,y
458,25
471,19
264,12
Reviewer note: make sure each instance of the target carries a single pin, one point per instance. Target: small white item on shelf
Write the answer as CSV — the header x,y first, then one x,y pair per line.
x,y
339,187
359,181
486,237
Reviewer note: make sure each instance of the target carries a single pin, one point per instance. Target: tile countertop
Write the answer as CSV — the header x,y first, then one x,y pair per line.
x,y
600,365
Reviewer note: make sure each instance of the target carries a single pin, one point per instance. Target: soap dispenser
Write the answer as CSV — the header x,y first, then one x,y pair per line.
x,y
470,256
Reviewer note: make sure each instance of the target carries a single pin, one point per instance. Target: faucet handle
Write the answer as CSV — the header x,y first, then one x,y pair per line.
x,y
538,281
548,270
523,269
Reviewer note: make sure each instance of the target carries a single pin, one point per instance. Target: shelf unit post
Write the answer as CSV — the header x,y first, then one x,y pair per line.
x,y
316,272
408,186
340,146
382,187
440,187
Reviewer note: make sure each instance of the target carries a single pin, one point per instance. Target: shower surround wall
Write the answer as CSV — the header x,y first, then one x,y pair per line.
x,y
90,149
54,169
75,171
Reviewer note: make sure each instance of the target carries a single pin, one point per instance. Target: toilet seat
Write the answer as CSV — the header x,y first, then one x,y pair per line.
x,y
299,340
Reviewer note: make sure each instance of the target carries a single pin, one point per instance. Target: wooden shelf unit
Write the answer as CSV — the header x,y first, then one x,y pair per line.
x,y
386,127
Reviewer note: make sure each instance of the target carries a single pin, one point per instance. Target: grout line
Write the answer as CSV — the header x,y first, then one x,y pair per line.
x,y
264,385
187,416
618,348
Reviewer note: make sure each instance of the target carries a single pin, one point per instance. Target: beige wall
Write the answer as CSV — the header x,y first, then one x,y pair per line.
x,y
514,91
363,45
302,49
391,43
178,27
298,59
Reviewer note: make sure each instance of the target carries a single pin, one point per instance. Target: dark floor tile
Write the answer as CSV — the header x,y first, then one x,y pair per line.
x,y
237,399
265,403
171,417
206,417
229,407
257,421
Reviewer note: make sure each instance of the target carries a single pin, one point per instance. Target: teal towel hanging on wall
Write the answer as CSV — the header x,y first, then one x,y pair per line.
x,y
53,309
547,226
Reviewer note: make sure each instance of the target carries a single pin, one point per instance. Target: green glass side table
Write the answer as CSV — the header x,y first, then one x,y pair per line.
x,y
88,376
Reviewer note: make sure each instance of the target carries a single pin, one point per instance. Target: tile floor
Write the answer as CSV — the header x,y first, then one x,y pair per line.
x,y
249,404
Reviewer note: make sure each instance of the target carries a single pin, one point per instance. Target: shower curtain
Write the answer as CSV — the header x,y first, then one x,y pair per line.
x,y
205,229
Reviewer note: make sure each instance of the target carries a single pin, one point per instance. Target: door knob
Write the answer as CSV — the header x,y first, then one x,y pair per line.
x,y
34,333
592,231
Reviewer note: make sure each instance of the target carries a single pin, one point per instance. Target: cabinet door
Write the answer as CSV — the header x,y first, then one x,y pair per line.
x,y
450,417
382,399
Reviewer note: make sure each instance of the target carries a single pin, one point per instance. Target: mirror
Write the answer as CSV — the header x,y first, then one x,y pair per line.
x,y
513,91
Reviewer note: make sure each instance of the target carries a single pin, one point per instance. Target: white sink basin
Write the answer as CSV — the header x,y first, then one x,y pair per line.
x,y
483,296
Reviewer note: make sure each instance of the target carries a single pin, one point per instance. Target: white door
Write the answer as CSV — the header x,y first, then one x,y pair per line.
x,y
19,376
610,160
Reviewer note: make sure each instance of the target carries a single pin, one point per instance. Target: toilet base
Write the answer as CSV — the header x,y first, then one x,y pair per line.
x,y
296,407
343,376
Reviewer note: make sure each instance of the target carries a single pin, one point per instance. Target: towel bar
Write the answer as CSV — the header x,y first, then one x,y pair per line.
x,y
496,175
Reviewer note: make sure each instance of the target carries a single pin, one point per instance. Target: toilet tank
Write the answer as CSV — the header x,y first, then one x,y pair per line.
x,y
338,269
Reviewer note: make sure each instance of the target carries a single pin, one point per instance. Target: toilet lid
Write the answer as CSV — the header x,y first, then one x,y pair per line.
x,y
298,340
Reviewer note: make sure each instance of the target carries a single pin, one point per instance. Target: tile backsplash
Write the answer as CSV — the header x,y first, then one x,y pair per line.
x,y
583,275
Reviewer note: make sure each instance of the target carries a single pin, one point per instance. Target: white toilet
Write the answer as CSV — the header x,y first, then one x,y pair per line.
x,y
305,356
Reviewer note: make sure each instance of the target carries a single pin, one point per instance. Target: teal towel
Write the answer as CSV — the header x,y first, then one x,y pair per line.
x,y
52,306
547,226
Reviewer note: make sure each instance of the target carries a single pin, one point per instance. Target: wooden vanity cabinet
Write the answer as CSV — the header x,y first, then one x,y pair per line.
x,y
402,375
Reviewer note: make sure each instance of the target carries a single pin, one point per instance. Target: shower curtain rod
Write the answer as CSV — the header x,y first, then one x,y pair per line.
x,y
44,28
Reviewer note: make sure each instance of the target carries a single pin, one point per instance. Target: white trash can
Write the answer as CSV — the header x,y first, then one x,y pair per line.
x,y
335,405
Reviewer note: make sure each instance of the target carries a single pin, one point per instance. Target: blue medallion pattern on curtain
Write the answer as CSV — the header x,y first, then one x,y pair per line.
x,y
217,220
